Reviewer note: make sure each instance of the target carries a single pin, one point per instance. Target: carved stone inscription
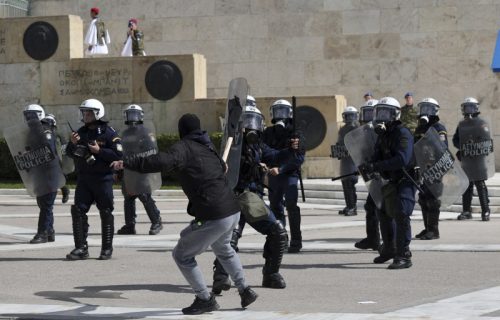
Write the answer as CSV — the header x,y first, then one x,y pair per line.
x,y
70,83
95,83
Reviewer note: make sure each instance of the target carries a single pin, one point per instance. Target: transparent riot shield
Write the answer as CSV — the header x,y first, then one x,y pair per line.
x,y
33,151
476,148
236,101
139,141
441,174
340,152
360,143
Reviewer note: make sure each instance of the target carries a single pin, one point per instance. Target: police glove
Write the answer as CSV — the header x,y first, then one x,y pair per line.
x,y
367,171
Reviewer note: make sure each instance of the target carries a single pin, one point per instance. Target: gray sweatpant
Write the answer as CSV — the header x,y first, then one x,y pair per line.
x,y
195,239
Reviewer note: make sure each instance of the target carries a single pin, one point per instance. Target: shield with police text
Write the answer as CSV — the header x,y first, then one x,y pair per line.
x,y
360,143
34,152
139,141
233,136
340,152
476,148
441,174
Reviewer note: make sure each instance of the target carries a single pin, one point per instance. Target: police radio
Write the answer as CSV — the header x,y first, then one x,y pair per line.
x,y
82,151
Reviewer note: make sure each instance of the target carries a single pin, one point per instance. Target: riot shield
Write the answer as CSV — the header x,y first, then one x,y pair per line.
x,y
233,137
476,148
360,143
33,151
139,141
340,152
441,174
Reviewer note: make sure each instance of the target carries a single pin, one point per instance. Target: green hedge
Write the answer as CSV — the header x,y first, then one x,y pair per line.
x,y
9,172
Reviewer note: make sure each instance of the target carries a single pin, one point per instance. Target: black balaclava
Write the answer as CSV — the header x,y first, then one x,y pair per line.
x,y
188,123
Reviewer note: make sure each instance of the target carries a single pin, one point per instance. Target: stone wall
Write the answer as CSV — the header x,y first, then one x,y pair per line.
x,y
437,48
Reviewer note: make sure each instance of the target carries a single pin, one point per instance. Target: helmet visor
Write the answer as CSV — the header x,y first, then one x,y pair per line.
x,y
350,116
384,114
281,112
133,115
31,115
470,108
427,109
253,121
366,114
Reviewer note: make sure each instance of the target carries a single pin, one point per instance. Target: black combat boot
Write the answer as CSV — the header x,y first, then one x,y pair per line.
x,y
482,193
200,306
433,225
402,261
466,204
365,244
221,278
107,231
387,252
65,194
81,251
40,237
156,228
350,198
274,247
295,233
127,229
248,296
425,216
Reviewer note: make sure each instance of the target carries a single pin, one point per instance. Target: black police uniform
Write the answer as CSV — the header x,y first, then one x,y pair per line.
x,y
482,190
45,231
428,203
251,178
347,165
285,183
94,185
394,155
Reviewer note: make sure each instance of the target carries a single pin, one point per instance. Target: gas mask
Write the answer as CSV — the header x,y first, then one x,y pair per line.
x,y
383,115
252,136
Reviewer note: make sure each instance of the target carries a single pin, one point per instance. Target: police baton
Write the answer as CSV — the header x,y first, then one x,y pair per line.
x,y
294,133
346,175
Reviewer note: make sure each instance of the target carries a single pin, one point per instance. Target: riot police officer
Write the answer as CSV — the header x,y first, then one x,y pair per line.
x,y
51,124
392,159
350,119
372,240
428,116
45,232
254,156
476,156
283,177
94,147
134,118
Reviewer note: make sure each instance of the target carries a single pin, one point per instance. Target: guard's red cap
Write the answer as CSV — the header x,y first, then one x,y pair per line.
x,y
95,10
133,20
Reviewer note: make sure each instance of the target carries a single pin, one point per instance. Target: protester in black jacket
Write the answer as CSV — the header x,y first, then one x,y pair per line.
x,y
215,209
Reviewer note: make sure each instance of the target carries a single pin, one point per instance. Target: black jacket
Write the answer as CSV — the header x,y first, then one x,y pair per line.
x,y
201,173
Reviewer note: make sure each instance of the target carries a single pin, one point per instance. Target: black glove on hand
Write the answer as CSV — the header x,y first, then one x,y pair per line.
x,y
459,155
367,171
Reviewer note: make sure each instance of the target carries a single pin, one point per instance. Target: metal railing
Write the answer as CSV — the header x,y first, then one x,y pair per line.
x,y
14,8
